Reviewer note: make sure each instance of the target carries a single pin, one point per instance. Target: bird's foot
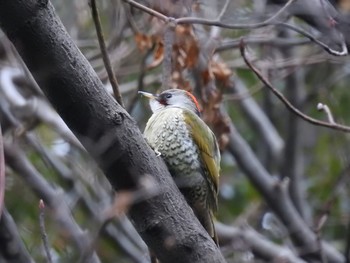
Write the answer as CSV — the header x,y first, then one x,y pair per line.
x,y
158,153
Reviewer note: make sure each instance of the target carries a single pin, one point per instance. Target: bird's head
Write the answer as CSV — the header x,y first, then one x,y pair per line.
x,y
172,98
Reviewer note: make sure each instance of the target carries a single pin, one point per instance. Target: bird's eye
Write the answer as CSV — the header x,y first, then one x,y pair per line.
x,y
168,96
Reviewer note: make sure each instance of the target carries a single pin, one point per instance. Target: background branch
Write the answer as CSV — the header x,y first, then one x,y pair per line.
x,y
289,106
12,248
105,57
43,230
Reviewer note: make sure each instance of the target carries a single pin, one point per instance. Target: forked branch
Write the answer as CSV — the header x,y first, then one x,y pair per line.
x,y
286,102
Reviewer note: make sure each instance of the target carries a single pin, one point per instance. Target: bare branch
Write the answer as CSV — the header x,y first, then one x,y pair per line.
x,y
105,57
168,38
325,108
215,22
280,11
147,10
2,172
347,245
267,22
319,226
323,16
12,248
223,10
289,106
293,159
278,199
17,160
275,42
32,108
43,230
258,244
259,120
343,52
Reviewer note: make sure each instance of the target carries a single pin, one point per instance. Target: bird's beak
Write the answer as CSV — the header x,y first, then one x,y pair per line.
x,y
148,95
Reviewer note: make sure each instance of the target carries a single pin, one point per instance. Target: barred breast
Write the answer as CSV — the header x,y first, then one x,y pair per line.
x,y
168,134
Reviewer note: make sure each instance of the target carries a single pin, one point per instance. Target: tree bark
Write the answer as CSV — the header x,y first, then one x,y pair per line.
x,y
110,135
12,249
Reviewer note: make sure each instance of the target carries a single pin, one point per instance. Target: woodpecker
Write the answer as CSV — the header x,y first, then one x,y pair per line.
x,y
189,148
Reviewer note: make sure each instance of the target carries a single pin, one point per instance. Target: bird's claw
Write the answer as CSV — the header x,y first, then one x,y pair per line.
x,y
158,153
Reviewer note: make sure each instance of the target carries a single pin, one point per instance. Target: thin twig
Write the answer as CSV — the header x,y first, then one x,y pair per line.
x,y
105,57
329,204
334,126
130,19
43,231
267,22
243,95
275,42
331,51
347,246
252,91
319,225
2,173
211,22
169,37
223,10
140,80
147,10
325,108
279,12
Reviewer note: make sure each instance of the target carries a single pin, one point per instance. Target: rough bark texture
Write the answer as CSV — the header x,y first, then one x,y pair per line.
x,y
164,221
12,249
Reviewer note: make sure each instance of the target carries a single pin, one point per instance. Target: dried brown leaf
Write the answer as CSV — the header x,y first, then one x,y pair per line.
x,y
158,56
143,42
221,72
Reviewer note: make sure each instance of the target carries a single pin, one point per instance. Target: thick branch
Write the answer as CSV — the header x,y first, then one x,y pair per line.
x,y
17,160
165,221
259,120
276,195
258,244
293,154
12,248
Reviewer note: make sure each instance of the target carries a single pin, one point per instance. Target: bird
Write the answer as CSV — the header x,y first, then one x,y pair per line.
x,y
189,148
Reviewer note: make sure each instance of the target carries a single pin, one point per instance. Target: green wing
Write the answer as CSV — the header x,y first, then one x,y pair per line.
x,y
209,153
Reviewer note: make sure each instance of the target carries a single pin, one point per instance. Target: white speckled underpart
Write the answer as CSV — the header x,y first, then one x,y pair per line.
x,y
167,133
192,157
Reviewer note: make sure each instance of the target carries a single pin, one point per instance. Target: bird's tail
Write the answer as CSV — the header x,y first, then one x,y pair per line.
x,y
208,224
214,234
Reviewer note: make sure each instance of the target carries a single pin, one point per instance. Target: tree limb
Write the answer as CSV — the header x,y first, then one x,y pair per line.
x,y
258,244
279,95
12,248
276,195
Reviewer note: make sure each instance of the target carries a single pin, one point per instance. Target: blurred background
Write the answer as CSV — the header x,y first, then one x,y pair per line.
x,y
45,161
